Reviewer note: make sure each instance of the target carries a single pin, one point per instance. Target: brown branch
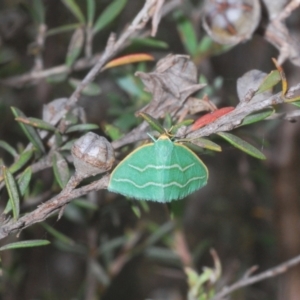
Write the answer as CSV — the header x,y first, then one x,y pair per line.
x,y
135,29
40,42
20,80
245,281
233,119
50,207
226,123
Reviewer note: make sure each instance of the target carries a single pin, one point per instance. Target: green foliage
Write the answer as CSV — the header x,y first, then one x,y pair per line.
x,y
92,89
198,50
23,184
154,124
9,149
186,32
21,162
269,82
74,9
13,192
109,14
36,9
258,116
60,169
242,145
91,9
29,131
207,144
25,244
58,235
82,127
75,47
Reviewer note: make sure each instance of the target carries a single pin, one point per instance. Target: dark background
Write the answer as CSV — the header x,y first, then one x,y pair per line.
x,y
249,211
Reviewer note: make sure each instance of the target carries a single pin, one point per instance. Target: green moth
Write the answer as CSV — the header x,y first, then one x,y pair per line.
x,y
162,171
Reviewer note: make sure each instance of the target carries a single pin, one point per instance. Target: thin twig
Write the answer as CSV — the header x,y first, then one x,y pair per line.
x,y
50,207
245,281
112,48
234,118
40,42
226,123
290,7
20,80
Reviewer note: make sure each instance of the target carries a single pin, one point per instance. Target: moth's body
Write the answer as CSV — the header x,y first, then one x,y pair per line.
x,y
161,171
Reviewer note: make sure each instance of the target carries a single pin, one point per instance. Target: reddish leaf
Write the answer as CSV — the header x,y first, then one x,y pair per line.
x,y
128,59
211,117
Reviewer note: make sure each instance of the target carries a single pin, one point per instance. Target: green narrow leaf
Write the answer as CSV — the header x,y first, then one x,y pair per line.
x,y
58,235
109,14
23,183
258,116
74,8
58,139
160,233
21,162
269,81
90,11
194,147
35,9
187,33
242,145
82,127
60,169
39,11
57,78
38,123
85,204
112,131
29,131
8,148
24,180
297,103
12,192
153,123
25,244
136,210
205,45
207,144
192,276
62,29
92,89
129,85
167,123
67,146
75,46
149,42
181,124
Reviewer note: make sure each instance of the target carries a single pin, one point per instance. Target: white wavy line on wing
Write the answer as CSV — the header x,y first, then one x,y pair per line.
x,y
158,184
161,167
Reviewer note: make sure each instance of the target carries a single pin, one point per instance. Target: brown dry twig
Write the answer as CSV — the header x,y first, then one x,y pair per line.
x,y
50,207
175,95
53,205
279,36
133,30
248,280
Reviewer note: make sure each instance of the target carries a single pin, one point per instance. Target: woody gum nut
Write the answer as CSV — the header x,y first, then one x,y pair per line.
x,y
92,155
232,21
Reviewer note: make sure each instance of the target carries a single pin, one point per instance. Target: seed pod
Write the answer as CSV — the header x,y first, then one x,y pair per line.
x,y
92,154
232,21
